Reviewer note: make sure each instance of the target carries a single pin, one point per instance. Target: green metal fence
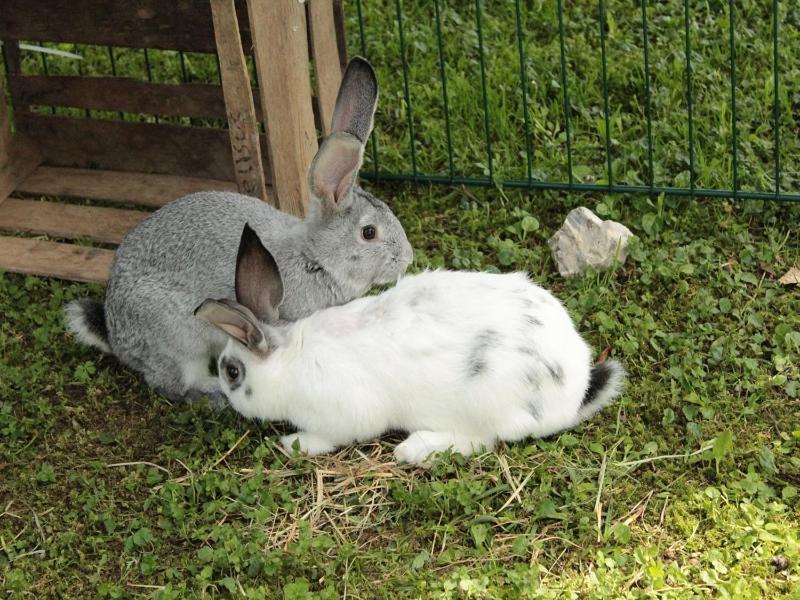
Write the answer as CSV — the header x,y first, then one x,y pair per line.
x,y
721,74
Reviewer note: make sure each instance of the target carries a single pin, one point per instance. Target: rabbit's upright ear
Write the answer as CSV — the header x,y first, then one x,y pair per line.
x,y
235,320
259,286
334,169
355,104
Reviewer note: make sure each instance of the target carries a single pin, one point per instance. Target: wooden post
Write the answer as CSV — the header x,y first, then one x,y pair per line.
x,y
239,107
280,45
325,49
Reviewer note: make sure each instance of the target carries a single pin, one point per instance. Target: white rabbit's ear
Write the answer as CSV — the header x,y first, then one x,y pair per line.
x,y
259,286
334,169
355,104
236,321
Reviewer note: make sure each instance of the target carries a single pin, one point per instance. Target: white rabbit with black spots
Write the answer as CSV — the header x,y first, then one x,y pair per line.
x,y
458,359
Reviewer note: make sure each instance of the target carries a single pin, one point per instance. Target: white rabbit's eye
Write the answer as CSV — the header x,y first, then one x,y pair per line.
x,y
232,371
368,232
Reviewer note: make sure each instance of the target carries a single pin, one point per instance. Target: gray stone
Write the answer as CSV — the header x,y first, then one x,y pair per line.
x,y
586,240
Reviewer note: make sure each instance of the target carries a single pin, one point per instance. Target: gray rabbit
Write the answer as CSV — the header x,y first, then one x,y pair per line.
x,y
187,251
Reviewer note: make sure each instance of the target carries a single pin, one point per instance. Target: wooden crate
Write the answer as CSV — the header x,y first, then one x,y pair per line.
x,y
149,164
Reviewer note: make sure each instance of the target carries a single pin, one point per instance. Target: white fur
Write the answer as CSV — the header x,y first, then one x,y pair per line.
x,y
457,359
73,313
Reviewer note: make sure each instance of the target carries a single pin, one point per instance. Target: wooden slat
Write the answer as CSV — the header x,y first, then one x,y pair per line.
x,y
52,259
281,53
239,107
166,24
59,219
129,146
144,189
326,57
21,160
121,94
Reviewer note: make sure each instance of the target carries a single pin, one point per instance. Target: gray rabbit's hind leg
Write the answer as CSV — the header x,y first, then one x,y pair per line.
x,y
153,330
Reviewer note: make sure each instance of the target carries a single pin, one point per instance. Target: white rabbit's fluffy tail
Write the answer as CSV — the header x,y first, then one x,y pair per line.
x,y
605,384
86,320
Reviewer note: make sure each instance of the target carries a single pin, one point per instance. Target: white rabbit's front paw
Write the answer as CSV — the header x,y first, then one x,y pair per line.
x,y
309,443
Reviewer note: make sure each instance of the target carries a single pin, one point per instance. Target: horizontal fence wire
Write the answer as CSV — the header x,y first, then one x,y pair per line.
x,y
567,72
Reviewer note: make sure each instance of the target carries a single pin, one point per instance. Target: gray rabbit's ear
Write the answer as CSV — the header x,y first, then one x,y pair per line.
x,y
236,321
259,286
355,104
334,170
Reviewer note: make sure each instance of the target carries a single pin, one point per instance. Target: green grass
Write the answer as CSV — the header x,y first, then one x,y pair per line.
x,y
687,487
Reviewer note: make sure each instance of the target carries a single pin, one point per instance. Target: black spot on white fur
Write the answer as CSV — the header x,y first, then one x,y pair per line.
x,y
556,372
598,380
477,361
533,321
213,368
234,362
532,378
421,296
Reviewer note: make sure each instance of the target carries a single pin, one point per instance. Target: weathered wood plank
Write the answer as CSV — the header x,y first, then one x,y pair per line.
x,y
184,25
281,53
326,57
121,94
53,259
131,146
239,107
22,159
144,189
64,220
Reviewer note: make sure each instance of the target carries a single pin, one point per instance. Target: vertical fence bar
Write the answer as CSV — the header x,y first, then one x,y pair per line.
x,y
185,77
443,77
219,68
734,132
184,74
609,170
648,97
565,90
363,40
149,72
523,77
409,116
87,112
113,62
777,107
689,94
483,88
46,71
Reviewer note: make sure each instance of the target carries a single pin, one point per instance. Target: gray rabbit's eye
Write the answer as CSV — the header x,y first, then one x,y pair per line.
x,y
368,232
232,371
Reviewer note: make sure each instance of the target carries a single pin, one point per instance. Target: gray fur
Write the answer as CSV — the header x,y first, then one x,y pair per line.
x,y
477,361
187,251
